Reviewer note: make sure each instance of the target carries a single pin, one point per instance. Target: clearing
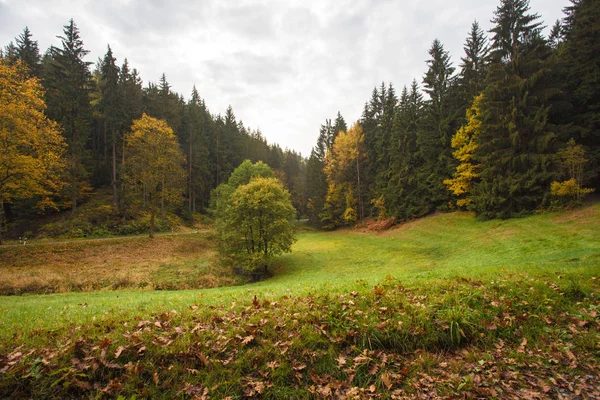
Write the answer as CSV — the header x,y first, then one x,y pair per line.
x,y
443,306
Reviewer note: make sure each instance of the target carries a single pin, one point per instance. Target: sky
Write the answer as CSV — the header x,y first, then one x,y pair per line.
x,y
284,66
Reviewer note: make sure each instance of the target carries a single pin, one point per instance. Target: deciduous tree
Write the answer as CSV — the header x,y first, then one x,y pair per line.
x,y
154,170
465,142
31,146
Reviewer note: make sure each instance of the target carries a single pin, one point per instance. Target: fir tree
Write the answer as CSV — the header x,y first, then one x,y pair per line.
x,y
582,60
474,63
111,107
439,123
516,148
67,76
28,52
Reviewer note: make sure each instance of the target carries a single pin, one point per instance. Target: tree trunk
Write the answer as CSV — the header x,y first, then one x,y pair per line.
x,y
105,144
114,170
74,196
190,188
360,202
162,199
122,202
1,217
152,222
152,213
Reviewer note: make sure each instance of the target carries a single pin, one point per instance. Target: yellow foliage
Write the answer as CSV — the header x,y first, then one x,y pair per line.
x,y
465,143
569,188
31,146
348,148
342,167
154,164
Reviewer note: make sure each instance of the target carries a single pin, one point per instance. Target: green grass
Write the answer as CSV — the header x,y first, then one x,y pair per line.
x,y
417,294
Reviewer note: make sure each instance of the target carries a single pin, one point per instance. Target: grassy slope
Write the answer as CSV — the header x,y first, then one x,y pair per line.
x,y
417,253
428,256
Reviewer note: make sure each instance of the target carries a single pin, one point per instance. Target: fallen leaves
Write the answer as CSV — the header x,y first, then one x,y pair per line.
x,y
381,341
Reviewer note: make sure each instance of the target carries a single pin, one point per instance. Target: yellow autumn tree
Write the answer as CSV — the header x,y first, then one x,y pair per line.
x,y
31,146
343,204
573,159
154,171
465,143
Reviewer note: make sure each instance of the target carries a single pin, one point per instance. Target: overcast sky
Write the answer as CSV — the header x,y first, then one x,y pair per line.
x,y
284,66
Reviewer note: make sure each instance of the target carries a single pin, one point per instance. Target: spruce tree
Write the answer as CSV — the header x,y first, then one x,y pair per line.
x,y
196,149
67,77
404,197
110,105
28,52
435,133
582,60
474,63
516,148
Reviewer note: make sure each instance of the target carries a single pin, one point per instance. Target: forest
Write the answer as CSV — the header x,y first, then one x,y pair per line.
x,y
440,246
512,129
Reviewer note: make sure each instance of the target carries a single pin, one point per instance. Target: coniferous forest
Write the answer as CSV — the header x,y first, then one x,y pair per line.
x,y
510,127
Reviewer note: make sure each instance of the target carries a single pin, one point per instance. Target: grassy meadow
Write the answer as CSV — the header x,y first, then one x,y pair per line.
x,y
166,262
444,306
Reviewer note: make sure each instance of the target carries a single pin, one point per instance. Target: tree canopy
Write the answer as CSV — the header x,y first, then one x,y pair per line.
x,y
254,215
31,145
154,171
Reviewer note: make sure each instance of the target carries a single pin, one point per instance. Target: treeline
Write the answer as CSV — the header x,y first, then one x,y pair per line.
x,y
95,105
515,128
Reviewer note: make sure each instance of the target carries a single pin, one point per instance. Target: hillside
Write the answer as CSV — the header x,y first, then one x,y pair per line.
x,y
442,306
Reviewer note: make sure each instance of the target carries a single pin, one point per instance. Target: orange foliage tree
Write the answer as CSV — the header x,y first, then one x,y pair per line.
x,y
31,146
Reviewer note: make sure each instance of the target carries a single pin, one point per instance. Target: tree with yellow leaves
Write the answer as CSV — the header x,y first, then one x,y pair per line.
x,y
343,204
31,146
154,170
465,143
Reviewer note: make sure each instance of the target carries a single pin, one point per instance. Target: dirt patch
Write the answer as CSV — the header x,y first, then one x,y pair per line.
x,y
162,262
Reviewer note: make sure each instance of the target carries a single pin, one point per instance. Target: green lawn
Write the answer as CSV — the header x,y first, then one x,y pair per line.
x,y
443,272
432,249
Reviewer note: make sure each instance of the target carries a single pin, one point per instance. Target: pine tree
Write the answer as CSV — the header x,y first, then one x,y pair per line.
x,y
474,63
111,107
439,123
67,76
582,60
556,35
404,197
196,149
516,148
28,52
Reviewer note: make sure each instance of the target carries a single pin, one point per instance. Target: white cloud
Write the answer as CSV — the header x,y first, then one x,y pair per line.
x,y
284,66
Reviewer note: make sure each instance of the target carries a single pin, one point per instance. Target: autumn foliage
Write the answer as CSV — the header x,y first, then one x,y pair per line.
x,y
154,171
31,146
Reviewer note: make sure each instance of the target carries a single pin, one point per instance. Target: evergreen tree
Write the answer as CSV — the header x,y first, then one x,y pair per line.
x,y
474,64
111,107
404,197
339,126
10,53
556,35
516,148
582,60
439,123
67,76
196,146
28,52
